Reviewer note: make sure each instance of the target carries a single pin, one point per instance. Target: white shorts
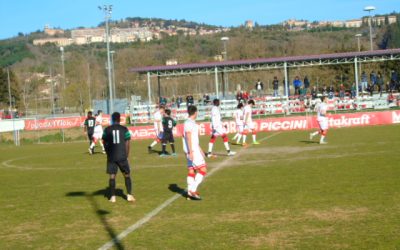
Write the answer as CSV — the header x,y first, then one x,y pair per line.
x,y
197,162
218,131
323,123
97,135
249,126
239,128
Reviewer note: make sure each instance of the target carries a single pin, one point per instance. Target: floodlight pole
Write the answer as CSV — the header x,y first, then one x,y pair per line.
x,y
107,9
225,74
369,9
113,73
63,66
358,41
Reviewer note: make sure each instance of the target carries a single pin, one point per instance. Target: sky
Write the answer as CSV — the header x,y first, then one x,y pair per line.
x,y
30,15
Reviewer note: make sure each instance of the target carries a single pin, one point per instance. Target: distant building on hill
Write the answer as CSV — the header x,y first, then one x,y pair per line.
x,y
52,32
249,24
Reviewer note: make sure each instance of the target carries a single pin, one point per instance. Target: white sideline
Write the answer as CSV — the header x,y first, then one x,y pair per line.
x,y
154,212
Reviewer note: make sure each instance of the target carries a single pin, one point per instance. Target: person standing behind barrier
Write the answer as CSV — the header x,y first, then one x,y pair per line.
x,y
364,81
322,120
331,91
380,82
353,90
275,86
297,84
259,88
306,84
314,92
373,78
342,90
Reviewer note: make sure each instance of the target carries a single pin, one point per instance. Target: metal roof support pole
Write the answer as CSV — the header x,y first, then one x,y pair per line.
x,y
216,82
159,87
356,74
286,91
149,87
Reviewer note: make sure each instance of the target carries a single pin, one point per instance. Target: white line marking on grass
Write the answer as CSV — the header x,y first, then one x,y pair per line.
x,y
166,203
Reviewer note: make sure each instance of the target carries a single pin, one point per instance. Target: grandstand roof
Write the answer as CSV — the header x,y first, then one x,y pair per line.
x,y
292,61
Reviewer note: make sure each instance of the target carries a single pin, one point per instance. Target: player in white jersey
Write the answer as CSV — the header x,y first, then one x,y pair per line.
x,y
248,123
217,129
322,120
158,127
98,132
196,164
238,116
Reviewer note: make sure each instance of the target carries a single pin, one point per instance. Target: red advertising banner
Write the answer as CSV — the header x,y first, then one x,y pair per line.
x,y
64,122
288,123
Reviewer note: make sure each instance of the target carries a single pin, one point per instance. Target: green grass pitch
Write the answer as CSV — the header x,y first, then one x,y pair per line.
x,y
286,193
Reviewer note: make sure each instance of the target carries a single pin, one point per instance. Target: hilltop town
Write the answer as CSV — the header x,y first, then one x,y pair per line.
x,y
145,30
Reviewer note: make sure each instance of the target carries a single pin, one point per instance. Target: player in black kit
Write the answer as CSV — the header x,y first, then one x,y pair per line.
x,y
88,128
116,140
168,136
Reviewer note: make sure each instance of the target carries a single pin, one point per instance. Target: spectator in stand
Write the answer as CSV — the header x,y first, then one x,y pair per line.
x,y
391,98
353,90
206,99
331,92
380,82
370,88
394,79
275,86
178,101
259,87
297,84
314,93
302,93
342,90
189,100
364,81
245,96
239,96
372,78
392,85
306,83
324,90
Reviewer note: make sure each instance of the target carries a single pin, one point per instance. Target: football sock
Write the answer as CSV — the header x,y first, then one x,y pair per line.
x,y
163,148
101,144
238,138
254,138
244,138
315,133
153,144
226,144
92,145
172,147
128,184
197,180
210,147
190,181
322,138
112,186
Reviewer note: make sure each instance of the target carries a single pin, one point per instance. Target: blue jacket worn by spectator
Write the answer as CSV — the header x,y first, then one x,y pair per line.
x,y
373,77
306,82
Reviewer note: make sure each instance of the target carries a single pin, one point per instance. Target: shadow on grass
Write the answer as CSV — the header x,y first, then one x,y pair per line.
x,y
152,151
101,213
176,189
309,142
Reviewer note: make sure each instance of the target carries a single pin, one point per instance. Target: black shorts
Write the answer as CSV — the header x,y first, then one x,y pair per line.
x,y
112,167
90,136
168,137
